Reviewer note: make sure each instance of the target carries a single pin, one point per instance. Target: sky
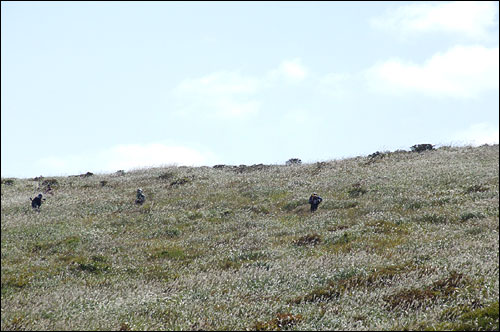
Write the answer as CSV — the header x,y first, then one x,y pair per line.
x,y
106,86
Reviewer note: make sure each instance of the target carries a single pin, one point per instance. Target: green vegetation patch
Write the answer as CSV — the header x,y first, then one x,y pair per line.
x,y
342,243
310,239
167,176
180,181
290,206
15,281
95,264
466,317
339,204
386,227
481,319
157,272
471,215
50,247
171,252
234,263
8,182
432,218
282,321
50,183
477,188
357,190
351,280
417,297
412,204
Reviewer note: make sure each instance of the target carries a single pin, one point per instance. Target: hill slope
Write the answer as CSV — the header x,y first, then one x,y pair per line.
x,y
402,240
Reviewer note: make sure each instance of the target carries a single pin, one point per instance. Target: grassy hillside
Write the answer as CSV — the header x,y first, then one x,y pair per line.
x,y
402,240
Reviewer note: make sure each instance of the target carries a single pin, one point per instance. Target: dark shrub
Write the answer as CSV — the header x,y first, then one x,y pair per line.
x,y
376,154
357,190
8,182
252,168
293,161
422,147
470,215
180,181
477,188
50,182
311,239
432,218
290,206
167,176
283,321
86,175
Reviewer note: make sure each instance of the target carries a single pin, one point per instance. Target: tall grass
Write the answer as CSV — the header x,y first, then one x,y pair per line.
x,y
404,241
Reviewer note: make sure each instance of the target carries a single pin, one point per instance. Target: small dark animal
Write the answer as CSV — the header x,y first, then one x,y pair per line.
x,y
36,202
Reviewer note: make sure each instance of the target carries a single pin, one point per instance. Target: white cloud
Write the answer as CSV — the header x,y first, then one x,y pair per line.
x,y
125,157
224,82
478,134
222,94
473,19
154,154
461,72
63,165
297,117
337,84
291,71
230,94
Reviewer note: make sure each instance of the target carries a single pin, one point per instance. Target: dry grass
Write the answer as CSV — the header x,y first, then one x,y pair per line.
x,y
404,241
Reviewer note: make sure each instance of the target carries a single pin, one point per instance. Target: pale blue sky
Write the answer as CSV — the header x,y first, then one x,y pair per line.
x,y
103,86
